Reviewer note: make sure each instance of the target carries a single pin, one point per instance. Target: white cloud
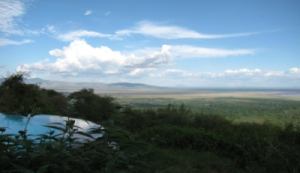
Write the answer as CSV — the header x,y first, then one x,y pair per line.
x,y
178,73
195,51
138,72
81,57
10,10
167,52
241,73
243,77
173,32
162,73
75,35
295,70
88,12
247,73
149,29
7,42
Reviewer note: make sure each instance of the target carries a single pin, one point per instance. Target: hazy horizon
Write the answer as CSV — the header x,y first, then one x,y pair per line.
x,y
232,44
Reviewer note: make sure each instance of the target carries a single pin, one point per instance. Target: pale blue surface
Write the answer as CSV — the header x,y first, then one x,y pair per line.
x,y
36,126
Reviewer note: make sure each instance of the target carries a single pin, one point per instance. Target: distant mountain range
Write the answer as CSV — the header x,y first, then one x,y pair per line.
x,y
137,88
62,86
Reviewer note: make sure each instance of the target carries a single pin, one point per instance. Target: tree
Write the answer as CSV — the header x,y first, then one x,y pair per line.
x,y
85,103
17,97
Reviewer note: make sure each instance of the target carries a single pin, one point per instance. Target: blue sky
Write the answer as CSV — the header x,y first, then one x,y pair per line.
x,y
252,43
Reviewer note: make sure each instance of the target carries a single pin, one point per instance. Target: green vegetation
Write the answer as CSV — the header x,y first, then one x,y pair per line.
x,y
243,147
16,97
48,153
19,98
164,139
237,109
86,104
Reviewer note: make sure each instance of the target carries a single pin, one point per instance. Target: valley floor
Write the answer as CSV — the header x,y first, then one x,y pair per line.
x,y
276,107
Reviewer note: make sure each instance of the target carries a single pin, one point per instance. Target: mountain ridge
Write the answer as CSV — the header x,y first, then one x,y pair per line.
x,y
65,86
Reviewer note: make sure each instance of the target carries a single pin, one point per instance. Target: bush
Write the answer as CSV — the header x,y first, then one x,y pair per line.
x,y
252,147
16,97
86,104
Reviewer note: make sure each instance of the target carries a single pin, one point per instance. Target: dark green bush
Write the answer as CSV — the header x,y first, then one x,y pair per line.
x,y
16,97
86,104
253,147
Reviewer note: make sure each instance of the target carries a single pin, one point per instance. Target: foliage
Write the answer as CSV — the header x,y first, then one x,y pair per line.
x,y
50,152
85,103
16,97
251,147
278,111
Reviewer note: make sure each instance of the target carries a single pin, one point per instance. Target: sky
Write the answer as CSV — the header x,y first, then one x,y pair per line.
x,y
207,43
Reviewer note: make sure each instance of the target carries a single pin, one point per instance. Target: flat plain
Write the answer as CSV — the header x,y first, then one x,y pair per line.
x,y
279,107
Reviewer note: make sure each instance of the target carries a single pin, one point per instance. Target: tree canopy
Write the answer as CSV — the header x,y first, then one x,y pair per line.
x,y
86,103
18,97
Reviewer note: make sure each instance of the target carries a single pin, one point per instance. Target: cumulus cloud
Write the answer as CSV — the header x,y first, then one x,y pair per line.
x,y
7,42
88,12
75,35
173,32
10,10
81,57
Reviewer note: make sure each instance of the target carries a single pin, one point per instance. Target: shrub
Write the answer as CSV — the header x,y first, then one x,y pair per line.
x,y
86,104
17,97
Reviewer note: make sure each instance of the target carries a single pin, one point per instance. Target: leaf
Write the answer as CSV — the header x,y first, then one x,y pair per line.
x,y
85,134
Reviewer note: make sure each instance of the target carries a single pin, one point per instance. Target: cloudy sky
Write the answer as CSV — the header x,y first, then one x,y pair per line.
x,y
213,43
